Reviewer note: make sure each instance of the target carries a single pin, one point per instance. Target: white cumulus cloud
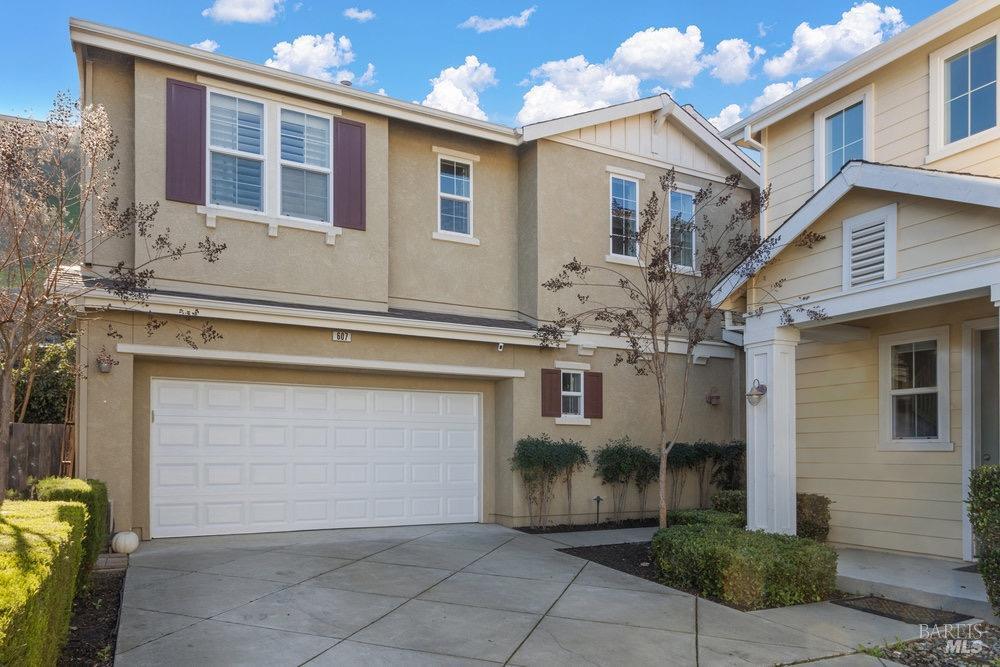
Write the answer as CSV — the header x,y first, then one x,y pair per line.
x,y
827,46
732,59
729,115
313,55
360,15
574,85
456,89
482,24
775,91
209,45
666,54
243,11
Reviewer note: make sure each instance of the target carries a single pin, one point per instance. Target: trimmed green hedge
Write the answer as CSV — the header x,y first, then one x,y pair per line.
x,y
812,511
984,515
41,544
746,570
93,494
711,517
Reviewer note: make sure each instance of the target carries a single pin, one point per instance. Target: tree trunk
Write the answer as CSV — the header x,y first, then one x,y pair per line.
x,y
6,420
569,497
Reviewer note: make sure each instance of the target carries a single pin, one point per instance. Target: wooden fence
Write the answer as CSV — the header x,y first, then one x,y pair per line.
x,y
37,450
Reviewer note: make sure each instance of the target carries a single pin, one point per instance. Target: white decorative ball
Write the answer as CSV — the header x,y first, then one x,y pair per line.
x,y
125,542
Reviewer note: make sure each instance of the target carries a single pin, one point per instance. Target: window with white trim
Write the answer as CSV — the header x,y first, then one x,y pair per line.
x,y
454,196
913,387
970,89
236,152
842,132
305,165
682,229
572,393
624,216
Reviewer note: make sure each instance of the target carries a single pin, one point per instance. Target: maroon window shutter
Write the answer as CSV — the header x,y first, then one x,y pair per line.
x,y
348,174
593,395
185,142
551,392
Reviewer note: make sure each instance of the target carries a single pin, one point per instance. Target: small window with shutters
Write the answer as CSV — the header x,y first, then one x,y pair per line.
x,y
869,248
572,396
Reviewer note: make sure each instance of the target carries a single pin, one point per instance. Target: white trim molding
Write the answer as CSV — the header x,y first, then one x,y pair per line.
x,y
212,213
941,443
339,363
460,155
619,171
866,96
454,237
572,365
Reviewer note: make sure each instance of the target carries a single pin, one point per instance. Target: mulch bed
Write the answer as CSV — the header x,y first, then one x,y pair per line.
x,y
980,645
605,525
94,626
632,558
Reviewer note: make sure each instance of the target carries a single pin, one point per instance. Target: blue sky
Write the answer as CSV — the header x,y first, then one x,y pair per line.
x,y
507,62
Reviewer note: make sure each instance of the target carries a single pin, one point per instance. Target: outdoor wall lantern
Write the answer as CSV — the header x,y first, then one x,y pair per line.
x,y
757,392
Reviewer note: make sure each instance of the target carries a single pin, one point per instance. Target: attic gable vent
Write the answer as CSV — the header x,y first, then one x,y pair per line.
x,y
870,247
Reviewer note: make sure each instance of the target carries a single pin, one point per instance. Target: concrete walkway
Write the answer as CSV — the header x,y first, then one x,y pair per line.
x,y
446,595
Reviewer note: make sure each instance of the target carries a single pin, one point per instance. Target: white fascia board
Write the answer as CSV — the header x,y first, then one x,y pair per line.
x,y
978,190
156,50
210,309
548,128
909,40
676,345
337,363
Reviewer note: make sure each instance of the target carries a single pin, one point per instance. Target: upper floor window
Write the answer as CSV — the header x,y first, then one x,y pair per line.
x,y
842,132
624,216
572,394
971,90
682,229
454,196
236,152
305,166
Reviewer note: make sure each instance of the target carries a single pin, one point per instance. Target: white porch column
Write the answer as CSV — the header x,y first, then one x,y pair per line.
x,y
770,359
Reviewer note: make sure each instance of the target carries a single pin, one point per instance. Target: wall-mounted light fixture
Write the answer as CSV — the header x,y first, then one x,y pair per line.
x,y
756,393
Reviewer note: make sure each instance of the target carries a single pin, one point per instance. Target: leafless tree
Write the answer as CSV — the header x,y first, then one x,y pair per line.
x,y
53,173
662,302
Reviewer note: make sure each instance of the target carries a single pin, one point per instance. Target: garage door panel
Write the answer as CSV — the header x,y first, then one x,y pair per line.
x,y
250,458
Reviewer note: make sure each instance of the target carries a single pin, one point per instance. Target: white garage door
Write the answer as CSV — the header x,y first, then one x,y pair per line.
x,y
248,458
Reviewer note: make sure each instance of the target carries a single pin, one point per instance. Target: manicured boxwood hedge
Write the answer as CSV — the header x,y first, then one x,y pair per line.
x,y
812,511
746,570
984,515
712,517
93,494
41,544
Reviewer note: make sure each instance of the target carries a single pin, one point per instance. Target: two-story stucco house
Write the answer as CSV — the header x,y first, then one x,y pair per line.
x,y
377,300
888,402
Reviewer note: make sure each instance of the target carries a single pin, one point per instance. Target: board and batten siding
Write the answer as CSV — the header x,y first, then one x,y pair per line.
x,y
902,501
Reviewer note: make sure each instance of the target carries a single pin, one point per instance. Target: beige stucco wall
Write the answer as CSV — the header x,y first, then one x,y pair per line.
x,y
900,132
903,501
115,406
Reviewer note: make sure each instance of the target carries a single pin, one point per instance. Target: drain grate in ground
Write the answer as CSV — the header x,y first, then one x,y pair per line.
x,y
968,568
902,611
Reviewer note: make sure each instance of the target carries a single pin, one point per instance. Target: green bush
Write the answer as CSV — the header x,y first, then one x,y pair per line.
x,y
711,517
729,470
621,463
984,515
94,495
733,502
41,544
812,512
51,385
746,570
540,461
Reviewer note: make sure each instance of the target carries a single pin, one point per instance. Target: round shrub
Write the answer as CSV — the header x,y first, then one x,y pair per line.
x,y
984,515
731,501
812,512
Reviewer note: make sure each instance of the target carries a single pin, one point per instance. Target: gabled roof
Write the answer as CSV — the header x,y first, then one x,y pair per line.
x,y
909,40
666,107
946,185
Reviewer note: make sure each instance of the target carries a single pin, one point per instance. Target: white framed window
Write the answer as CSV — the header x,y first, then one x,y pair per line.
x,y
236,152
682,229
842,132
305,154
963,93
623,208
914,398
454,195
572,393
869,247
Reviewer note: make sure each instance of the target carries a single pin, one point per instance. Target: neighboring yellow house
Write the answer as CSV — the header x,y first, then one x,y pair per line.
x,y
887,403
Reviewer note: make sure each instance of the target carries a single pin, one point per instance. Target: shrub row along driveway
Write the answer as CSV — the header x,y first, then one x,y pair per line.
x,y
443,595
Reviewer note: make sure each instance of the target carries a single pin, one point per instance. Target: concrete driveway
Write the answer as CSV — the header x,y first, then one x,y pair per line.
x,y
446,595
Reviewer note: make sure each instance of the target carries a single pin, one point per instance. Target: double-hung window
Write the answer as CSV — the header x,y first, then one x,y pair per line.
x,y
624,216
682,229
305,166
970,88
572,394
845,138
914,390
454,196
236,152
